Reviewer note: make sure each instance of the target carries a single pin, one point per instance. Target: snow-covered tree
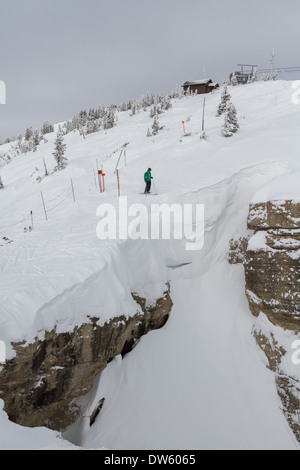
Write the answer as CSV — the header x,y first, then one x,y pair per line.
x,y
133,110
233,80
110,118
47,128
35,140
28,133
59,152
231,124
92,126
1,183
153,111
155,126
225,99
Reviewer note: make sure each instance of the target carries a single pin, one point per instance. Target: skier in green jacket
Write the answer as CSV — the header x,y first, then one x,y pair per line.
x,y
148,178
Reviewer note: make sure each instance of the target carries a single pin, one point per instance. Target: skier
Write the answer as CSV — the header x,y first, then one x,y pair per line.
x,y
148,178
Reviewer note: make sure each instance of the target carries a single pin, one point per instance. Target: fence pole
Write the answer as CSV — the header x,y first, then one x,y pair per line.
x,y
31,220
103,182
44,206
73,190
118,181
99,177
100,182
119,159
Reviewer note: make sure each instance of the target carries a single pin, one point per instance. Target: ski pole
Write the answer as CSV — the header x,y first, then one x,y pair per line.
x,y
154,187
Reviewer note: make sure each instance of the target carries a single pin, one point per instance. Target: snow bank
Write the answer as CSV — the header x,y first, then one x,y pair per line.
x,y
286,187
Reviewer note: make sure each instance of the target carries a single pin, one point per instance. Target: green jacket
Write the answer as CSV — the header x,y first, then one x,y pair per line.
x,y
147,176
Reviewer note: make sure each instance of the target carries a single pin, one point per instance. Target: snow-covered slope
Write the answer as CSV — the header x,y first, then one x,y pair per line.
x,y
201,381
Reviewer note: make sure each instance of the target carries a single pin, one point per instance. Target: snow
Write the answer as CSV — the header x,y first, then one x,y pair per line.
x,y
258,242
200,382
197,82
284,188
203,387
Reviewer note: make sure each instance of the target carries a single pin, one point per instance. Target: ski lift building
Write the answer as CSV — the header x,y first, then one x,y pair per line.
x,y
200,87
245,73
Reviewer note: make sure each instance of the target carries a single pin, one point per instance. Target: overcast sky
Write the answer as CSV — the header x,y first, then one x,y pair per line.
x,y
60,56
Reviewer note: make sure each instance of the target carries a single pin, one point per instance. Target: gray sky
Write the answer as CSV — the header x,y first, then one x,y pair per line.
x,y
60,56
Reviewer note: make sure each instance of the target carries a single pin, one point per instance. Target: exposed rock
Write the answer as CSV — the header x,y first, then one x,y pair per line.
x,y
274,214
272,349
288,387
272,271
40,383
237,250
272,268
96,412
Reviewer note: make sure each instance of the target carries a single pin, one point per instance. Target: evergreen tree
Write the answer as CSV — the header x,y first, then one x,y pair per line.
x,y
166,103
1,183
274,75
35,140
233,80
92,126
47,128
153,111
133,110
28,133
59,151
225,99
109,119
231,124
155,126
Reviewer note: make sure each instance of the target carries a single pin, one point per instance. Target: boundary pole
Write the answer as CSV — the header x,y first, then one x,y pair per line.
x,y
100,183
73,190
119,159
118,181
44,206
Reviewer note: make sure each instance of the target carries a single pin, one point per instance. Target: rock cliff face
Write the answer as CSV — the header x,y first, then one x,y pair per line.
x,y
272,263
271,258
40,383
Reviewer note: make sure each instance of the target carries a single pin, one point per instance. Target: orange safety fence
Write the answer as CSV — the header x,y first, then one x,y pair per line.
x,y
53,208
56,197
